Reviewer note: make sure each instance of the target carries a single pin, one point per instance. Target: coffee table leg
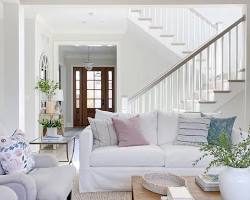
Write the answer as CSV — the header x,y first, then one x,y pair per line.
x,y
73,151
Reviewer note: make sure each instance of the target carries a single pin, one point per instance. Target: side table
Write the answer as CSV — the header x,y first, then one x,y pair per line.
x,y
60,141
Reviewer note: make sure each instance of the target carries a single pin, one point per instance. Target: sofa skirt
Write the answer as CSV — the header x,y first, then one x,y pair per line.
x,y
98,179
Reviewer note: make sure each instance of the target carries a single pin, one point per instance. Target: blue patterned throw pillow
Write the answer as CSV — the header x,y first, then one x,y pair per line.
x,y
219,125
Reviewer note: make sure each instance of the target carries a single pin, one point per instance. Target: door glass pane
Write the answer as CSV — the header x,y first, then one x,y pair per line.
x,y
110,75
90,75
98,103
110,94
90,103
90,84
110,103
77,94
90,94
77,85
77,103
98,75
98,84
110,85
78,75
98,94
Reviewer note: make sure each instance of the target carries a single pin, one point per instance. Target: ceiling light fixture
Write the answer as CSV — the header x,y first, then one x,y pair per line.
x,y
88,65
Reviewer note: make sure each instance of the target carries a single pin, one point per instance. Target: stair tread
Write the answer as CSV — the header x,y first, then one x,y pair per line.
x,y
177,43
136,10
231,80
222,91
208,102
156,27
166,35
145,18
187,52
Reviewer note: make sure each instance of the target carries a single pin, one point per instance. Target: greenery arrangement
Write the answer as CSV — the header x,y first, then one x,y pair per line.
x,y
48,87
51,123
227,154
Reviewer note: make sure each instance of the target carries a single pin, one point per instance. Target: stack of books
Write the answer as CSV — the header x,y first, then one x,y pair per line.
x,y
208,183
179,193
52,138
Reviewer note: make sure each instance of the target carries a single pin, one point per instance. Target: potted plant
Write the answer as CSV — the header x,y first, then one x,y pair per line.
x,y
234,180
48,88
51,125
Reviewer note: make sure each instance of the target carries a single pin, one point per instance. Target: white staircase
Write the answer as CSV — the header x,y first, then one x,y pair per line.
x,y
180,29
206,78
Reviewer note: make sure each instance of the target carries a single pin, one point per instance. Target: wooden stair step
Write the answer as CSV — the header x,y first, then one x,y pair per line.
x,y
166,35
145,19
187,52
135,10
177,43
156,27
207,102
222,91
235,81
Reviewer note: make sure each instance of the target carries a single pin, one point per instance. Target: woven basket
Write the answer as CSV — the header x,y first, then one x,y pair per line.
x,y
159,182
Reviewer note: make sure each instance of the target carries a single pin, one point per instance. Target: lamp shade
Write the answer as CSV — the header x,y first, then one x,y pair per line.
x,y
59,95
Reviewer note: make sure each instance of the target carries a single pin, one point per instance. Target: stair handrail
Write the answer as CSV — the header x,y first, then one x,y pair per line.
x,y
187,58
204,18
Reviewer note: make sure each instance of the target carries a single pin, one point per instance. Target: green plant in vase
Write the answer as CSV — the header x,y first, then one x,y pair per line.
x,y
235,178
51,125
48,88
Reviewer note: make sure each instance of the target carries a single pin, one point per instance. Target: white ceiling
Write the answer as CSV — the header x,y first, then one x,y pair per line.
x,y
79,19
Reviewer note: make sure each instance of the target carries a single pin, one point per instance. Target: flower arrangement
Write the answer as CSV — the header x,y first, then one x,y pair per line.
x,y
48,87
51,123
227,154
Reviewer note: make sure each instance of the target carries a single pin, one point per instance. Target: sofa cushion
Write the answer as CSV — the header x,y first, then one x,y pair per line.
x,y
168,124
100,114
167,127
148,124
134,156
54,183
181,156
128,132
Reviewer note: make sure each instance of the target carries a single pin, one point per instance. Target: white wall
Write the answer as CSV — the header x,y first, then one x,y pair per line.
x,y
67,80
142,59
1,62
12,95
37,40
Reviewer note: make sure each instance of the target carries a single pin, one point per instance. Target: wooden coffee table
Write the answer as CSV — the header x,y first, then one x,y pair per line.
x,y
140,193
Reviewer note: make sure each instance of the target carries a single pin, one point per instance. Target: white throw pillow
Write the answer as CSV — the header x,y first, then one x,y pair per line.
x,y
103,132
148,126
15,153
100,114
192,131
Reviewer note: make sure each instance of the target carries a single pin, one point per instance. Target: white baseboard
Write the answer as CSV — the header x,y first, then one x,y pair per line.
x,y
69,124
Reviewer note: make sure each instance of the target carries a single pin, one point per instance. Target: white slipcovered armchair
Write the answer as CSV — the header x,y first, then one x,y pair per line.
x,y
47,181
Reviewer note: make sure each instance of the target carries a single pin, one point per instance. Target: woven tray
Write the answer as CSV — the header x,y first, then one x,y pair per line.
x,y
159,182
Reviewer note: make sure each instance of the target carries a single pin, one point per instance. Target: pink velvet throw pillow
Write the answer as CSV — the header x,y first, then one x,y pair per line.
x,y
128,132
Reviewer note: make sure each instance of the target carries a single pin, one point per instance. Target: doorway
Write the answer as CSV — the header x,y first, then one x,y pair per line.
x,y
92,90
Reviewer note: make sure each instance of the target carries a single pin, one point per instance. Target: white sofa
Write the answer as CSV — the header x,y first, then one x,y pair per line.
x,y
110,168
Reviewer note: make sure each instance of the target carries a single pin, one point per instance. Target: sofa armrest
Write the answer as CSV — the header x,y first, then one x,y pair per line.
x,y
7,193
238,136
86,146
45,161
23,185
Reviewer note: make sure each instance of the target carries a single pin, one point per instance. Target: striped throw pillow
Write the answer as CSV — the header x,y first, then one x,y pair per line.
x,y
103,132
192,131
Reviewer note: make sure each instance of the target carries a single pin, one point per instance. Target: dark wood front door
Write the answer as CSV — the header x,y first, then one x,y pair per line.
x,y
92,90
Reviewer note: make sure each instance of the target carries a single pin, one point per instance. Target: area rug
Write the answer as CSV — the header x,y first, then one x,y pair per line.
x,y
98,195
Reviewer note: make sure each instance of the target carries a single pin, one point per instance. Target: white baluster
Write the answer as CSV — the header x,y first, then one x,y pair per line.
x,y
208,65
237,52
222,63
215,64
229,55
200,77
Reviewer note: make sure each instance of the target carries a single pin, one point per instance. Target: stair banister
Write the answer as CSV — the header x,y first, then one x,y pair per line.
x,y
211,55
